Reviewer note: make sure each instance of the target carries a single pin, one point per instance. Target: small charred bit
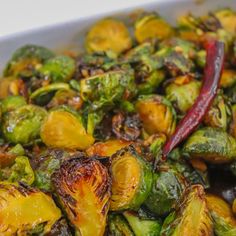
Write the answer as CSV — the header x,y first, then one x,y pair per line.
x,y
210,23
82,186
60,228
126,126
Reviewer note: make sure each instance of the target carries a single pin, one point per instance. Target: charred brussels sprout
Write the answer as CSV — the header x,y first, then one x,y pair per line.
x,y
110,88
142,226
223,219
108,35
131,180
152,26
63,129
182,92
217,116
157,114
25,210
26,59
167,188
58,69
22,125
11,103
191,218
21,171
212,145
47,163
107,148
118,226
83,188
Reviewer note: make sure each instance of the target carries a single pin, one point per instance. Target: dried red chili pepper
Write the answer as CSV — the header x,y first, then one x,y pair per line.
x,y
211,78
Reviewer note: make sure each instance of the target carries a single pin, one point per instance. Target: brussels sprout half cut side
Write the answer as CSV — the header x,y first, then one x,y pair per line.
x,y
131,180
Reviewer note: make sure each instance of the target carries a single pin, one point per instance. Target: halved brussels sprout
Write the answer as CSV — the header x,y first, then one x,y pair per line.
x,y
22,125
192,217
131,180
227,18
21,171
107,148
24,210
58,69
12,86
44,94
212,145
11,103
233,121
142,226
63,129
66,97
217,115
157,114
152,26
182,92
167,189
110,88
26,59
118,226
223,219
108,34
83,188
228,78
47,163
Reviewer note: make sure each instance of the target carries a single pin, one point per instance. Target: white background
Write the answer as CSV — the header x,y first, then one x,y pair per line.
x,y
20,15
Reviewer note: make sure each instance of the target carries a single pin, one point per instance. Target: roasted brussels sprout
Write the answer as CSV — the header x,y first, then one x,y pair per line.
x,y
12,86
108,34
21,171
152,26
140,227
25,210
107,148
218,114
223,219
110,88
11,103
167,188
43,95
182,92
22,125
58,69
118,226
66,97
228,78
63,129
212,145
26,59
131,180
83,188
157,114
47,163
192,217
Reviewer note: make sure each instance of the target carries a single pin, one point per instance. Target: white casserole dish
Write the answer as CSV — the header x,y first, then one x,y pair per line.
x,y
70,35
